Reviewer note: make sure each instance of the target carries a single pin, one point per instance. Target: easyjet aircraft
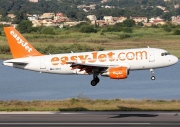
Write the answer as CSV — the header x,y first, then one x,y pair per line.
x,y
115,64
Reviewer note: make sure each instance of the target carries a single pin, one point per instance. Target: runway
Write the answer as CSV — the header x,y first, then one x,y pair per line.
x,y
84,119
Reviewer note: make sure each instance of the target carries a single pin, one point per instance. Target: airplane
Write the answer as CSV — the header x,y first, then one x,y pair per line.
x,y
115,64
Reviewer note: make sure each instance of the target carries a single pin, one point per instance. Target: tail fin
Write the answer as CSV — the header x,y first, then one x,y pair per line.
x,y
19,46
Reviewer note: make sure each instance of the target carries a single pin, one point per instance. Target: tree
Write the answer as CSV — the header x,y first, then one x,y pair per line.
x,y
20,16
129,23
25,26
167,16
178,11
158,12
80,16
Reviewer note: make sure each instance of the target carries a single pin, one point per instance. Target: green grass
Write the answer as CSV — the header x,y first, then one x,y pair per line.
x,y
140,38
85,104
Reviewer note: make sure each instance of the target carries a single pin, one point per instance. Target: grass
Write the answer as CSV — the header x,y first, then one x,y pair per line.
x,y
91,105
141,37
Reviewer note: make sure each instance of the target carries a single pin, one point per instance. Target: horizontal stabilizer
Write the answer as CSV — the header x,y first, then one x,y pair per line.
x,y
13,62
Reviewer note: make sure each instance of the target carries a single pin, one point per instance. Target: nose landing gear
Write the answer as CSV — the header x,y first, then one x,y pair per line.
x,y
152,74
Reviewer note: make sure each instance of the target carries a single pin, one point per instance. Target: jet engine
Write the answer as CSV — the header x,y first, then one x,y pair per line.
x,y
116,73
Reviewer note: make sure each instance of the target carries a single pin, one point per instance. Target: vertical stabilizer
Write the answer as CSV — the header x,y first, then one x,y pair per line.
x,y
19,46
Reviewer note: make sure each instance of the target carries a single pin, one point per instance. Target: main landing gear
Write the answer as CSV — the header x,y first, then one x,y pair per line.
x,y
95,80
152,74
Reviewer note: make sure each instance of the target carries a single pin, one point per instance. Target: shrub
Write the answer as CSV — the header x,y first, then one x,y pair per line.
x,y
88,29
124,36
127,30
4,49
167,29
113,29
177,32
154,26
48,30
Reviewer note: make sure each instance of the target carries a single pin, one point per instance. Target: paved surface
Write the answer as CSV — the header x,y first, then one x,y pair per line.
x,y
85,119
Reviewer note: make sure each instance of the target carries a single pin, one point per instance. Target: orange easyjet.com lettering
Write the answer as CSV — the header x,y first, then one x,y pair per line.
x,y
100,57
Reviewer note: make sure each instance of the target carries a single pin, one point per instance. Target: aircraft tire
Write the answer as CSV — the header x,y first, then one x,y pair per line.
x,y
97,80
94,82
153,78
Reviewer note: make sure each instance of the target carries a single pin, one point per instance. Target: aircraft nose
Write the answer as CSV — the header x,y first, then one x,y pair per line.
x,y
174,60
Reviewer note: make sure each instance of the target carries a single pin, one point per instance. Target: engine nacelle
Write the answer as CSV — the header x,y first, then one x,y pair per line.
x,y
117,73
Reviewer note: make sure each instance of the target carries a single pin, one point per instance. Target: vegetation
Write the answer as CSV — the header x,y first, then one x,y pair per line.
x,y
85,104
126,8
55,40
25,26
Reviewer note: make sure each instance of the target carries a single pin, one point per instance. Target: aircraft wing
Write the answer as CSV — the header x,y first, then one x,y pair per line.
x,y
89,67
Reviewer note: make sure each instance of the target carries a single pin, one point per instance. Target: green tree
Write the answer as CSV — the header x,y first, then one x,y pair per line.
x,y
25,26
20,16
178,11
167,16
129,23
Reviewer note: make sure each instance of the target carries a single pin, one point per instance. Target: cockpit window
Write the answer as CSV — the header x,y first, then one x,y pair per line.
x,y
165,54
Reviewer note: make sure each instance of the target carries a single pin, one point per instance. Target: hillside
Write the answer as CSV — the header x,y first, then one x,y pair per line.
x,y
74,8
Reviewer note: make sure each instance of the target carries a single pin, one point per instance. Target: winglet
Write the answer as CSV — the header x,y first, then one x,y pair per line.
x,y
19,46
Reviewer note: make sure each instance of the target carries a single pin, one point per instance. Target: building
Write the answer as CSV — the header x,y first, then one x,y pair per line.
x,y
108,19
60,17
140,19
176,20
162,8
35,1
121,19
176,6
104,1
47,16
12,16
156,21
92,17
33,17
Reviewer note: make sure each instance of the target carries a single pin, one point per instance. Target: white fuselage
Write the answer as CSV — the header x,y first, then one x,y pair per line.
x,y
133,59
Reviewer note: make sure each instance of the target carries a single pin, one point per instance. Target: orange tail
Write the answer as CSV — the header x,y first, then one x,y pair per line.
x,y
19,46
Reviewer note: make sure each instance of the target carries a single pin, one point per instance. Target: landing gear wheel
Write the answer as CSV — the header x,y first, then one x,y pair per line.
x,y
153,78
152,74
97,80
94,82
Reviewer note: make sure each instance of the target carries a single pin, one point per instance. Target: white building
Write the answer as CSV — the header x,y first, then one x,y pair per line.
x,y
35,1
108,18
92,17
33,17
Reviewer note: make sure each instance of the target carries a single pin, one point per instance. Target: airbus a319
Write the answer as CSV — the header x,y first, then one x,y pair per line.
x,y
115,64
